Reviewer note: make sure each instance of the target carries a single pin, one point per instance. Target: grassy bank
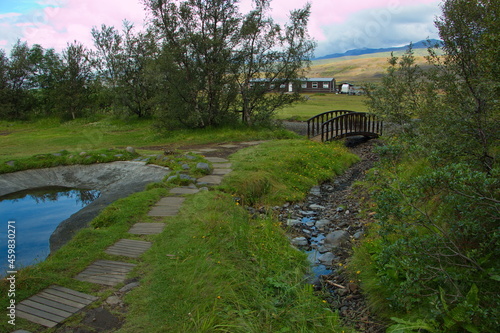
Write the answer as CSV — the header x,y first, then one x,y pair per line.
x,y
215,268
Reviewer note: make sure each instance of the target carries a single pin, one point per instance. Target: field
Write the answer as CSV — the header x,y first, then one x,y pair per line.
x,y
357,70
318,103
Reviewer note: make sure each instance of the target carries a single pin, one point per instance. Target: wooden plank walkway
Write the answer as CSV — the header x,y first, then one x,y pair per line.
x,y
53,305
129,248
146,228
106,272
167,206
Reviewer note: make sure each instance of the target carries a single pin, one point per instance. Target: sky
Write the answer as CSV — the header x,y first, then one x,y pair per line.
x,y
336,25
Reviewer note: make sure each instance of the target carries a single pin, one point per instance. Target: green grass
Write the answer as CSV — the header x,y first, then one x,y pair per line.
x,y
279,171
64,157
214,268
319,103
25,139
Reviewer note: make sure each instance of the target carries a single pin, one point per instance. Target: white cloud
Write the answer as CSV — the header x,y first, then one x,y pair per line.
x,y
383,27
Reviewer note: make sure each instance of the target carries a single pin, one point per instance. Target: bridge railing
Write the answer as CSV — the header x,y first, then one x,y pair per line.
x,y
350,124
314,123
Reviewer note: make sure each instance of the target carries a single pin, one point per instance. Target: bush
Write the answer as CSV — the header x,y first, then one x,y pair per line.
x,y
437,245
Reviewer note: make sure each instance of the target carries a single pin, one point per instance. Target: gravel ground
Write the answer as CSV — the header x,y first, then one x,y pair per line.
x,y
299,127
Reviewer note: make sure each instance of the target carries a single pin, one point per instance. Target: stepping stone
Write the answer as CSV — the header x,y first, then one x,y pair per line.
x,y
229,146
221,165
207,150
146,228
106,272
252,143
211,180
53,305
216,159
129,248
221,172
163,211
167,206
184,190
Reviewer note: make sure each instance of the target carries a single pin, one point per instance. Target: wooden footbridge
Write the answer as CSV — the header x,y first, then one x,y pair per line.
x,y
337,124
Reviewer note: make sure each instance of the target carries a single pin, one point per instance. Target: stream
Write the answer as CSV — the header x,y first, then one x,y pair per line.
x,y
326,225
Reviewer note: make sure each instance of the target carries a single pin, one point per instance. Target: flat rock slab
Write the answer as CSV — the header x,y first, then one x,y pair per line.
x,y
146,228
211,180
184,190
53,305
229,146
129,248
207,150
167,206
221,172
252,143
221,165
106,272
216,159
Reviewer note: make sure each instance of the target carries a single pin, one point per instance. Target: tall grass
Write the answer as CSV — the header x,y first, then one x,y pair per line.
x,y
214,269
285,170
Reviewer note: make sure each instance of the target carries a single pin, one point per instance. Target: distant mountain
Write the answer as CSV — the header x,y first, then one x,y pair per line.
x,y
419,45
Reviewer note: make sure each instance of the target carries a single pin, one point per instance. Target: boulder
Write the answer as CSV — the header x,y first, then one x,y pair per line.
x,y
203,166
300,241
337,239
327,258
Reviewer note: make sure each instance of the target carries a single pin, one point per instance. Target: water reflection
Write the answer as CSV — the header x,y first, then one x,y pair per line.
x,y
37,213
53,193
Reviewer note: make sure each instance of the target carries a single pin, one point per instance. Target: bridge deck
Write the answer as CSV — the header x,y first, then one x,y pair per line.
x,y
349,123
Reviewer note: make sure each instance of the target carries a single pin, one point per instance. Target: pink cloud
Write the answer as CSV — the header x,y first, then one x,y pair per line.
x,y
75,18
54,27
8,15
24,24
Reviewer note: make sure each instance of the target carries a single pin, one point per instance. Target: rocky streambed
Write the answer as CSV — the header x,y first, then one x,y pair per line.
x,y
327,225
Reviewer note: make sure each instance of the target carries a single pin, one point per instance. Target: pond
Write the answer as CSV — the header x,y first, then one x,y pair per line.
x,y
35,214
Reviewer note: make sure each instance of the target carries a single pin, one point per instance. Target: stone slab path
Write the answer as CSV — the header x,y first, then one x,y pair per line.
x,y
106,272
210,180
184,190
168,206
55,304
146,228
129,248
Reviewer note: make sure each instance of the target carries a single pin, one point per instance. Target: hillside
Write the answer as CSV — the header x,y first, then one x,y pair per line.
x,y
423,44
359,69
